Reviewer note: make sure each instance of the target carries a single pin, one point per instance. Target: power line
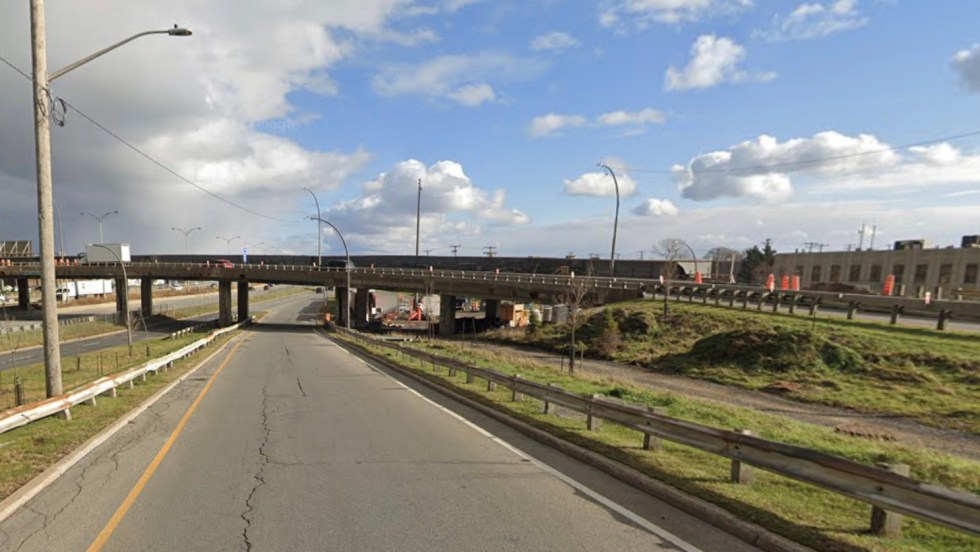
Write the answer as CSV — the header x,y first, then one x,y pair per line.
x,y
149,158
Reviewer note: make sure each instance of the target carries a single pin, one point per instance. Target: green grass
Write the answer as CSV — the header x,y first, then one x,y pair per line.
x,y
817,518
930,376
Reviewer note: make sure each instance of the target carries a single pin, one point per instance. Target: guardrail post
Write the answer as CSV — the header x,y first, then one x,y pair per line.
x,y
649,441
130,384
775,302
452,372
515,395
111,393
792,303
896,311
591,422
943,316
813,307
470,378
491,386
18,391
883,522
741,473
547,405
851,308
91,401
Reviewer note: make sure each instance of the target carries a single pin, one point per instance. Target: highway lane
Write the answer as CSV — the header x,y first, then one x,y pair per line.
x,y
299,445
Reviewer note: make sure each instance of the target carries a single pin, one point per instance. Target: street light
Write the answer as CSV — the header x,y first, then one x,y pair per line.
x,y
42,147
318,231
347,267
612,255
129,326
100,219
228,243
185,233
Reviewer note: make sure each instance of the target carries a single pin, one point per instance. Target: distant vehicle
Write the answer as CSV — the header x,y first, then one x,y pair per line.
x,y
223,263
106,253
339,264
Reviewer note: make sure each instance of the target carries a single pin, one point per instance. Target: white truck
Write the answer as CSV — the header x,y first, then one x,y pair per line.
x,y
107,253
75,289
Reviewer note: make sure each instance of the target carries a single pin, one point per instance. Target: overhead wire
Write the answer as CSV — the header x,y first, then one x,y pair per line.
x,y
147,156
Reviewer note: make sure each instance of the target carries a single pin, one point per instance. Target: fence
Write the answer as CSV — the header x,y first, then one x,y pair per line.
x,y
886,490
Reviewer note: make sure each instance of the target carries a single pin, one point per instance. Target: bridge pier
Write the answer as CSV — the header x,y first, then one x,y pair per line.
x,y
242,299
146,296
224,302
23,294
122,300
447,315
342,295
362,300
492,308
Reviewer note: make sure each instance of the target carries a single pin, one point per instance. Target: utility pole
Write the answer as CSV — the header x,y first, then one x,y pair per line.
x,y
489,250
455,248
874,231
861,233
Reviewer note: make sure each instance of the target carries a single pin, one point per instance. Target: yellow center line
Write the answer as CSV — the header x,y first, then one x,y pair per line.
x,y
117,517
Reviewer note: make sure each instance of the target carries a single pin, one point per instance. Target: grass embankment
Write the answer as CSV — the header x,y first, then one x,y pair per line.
x,y
16,341
930,376
27,451
806,514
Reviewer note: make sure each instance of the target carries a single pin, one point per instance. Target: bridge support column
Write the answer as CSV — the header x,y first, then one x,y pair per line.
x,y
122,300
447,315
492,307
242,299
342,295
224,302
146,296
23,294
361,303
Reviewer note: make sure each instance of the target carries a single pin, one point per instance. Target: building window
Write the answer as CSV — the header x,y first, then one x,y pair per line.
x,y
899,272
875,273
970,275
815,275
855,274
921,270
945,274
834,274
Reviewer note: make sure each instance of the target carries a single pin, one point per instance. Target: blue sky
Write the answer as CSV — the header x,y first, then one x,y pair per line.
x,y
504,108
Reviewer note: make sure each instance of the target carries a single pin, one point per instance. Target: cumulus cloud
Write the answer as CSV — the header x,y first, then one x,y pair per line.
x,y
813,20
653,207
643,13
766,168
601,184
555,41
966,63
642,117
461,78
552,123
713,61
452,205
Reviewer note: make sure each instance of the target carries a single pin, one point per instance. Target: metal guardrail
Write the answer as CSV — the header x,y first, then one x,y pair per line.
x,y
956,509
23,415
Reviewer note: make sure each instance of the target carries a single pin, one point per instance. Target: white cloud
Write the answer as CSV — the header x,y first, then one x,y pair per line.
x,y
600,184
383,218
713,61
642,117
966,63
554,41
766,169
813,20
553,122
643,13
461,78
653,207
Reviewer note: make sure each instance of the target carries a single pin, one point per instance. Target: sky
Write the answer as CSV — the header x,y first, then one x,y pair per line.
x,y
725,123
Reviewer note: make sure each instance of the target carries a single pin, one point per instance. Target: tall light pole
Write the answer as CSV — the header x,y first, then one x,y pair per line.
x,y
42,148
347,267
185,233
612,255
318,231
100,219
125,290
418,222
228,243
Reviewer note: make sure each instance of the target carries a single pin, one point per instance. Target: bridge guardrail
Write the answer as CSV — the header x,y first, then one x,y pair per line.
x,y
890,491
23,415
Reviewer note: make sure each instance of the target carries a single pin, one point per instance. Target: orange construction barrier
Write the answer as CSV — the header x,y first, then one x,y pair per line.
x,y
796,283
784,283
697,277
771,282
326,317
889,286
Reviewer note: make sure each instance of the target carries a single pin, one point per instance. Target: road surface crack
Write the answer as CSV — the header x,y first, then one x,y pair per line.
x,y
300,385
260,473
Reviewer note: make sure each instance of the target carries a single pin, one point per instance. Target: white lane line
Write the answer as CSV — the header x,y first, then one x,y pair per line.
x,y
608,503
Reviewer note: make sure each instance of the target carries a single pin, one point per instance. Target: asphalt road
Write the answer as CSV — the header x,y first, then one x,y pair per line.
x,y
299,445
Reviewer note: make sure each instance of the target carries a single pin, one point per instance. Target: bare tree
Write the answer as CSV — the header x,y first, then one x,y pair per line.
x,y
671,249
576,297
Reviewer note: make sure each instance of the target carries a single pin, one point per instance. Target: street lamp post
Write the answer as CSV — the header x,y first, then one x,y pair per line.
x,y
228,243
347,267
125,290
185,233
100,219
319,261
612,255
418,222
42,148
